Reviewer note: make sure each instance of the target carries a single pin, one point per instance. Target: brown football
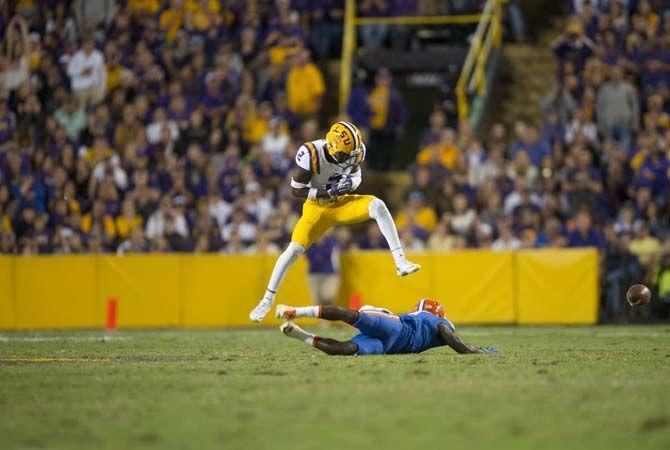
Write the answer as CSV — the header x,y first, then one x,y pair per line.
x,y
638,294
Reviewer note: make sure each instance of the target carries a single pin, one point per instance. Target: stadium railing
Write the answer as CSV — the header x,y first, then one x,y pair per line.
x,y
474,78
476,74
349,43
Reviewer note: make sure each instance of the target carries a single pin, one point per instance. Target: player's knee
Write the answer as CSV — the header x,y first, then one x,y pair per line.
x,y
295,248
376,208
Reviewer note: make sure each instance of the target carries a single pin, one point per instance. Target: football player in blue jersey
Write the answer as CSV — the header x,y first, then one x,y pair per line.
x,y
381,332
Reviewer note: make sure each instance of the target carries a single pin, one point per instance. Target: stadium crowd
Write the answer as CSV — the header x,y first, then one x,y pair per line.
x,y
595,173
172,126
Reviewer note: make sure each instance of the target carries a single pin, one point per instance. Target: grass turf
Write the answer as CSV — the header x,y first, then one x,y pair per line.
x,y
552,388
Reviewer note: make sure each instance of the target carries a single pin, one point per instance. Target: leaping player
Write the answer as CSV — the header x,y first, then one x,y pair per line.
x,y
381,332
328,172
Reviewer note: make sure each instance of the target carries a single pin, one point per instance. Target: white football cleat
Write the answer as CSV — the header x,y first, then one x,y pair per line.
x,y
286,328
285,312
292,330
407,267
260,311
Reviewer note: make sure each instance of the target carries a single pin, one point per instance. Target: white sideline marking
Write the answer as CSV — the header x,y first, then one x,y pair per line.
x,y
4,339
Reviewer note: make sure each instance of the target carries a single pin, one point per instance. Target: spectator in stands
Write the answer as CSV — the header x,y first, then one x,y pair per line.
x,y
417,213
530,142
87,73
157,222
90,13
645,246
388,118
373,36
573,47
373,239
327,17
584,234
323,281
618,109
440,155
440,240
14,63
304,85
410,241
136,243
72,118
506,239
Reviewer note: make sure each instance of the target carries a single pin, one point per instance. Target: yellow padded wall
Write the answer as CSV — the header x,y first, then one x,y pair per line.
x,y
147,288
557,286
7,300
56,292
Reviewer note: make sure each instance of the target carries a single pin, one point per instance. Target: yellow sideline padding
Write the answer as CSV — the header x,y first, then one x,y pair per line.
x,y
147,289
222,289
56,292
7,313
474,287
557,286
545,286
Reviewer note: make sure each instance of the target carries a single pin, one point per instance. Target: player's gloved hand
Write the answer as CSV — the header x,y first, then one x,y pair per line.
x,y
492,351
343,187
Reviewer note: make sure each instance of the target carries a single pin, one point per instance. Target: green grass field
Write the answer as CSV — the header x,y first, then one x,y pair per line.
x,y
552,388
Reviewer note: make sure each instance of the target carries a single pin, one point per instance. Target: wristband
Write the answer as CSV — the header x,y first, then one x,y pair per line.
x,y
312,193
297,185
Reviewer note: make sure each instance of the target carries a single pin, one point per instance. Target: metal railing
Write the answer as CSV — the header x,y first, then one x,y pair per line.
x,y
351,21
488,36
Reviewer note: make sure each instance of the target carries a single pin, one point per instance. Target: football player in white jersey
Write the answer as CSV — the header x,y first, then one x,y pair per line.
x,y
328,173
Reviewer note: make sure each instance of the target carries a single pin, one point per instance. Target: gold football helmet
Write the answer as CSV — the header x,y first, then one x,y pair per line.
x,y
345,143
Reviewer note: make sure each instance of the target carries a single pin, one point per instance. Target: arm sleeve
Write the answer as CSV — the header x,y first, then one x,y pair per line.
x,y
356,179
303,158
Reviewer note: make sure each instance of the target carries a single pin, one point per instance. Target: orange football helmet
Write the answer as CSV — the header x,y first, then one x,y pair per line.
x,y
431,306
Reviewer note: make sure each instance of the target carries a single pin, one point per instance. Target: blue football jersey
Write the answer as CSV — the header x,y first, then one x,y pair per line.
x,y
419,333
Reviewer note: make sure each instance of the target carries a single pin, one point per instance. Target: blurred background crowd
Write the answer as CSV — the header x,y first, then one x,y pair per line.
x,y
146,125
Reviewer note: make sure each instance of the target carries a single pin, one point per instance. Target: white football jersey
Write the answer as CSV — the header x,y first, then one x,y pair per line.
x,y
311,156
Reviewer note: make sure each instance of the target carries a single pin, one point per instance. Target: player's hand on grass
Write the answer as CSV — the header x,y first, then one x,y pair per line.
x,y
492,351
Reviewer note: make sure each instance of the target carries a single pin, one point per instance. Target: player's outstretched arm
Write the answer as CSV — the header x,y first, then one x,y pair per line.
x,y
453,341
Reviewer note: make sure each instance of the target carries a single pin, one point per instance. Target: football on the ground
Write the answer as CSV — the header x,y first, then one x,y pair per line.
x,y
638,294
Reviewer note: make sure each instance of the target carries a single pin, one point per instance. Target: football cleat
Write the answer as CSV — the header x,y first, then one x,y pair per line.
x,y
407,267
259,312
285,312
292,330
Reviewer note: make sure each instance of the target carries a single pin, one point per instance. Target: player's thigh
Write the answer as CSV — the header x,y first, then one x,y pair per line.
x,y
378,325
352,209
312,224
368,345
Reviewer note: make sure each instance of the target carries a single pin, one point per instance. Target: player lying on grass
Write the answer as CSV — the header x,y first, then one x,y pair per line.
x,y
381,332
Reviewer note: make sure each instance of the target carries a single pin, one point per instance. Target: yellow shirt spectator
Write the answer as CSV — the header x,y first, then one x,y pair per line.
x,y
107,221
645,248
279,53
114,72
143,6
6,224
438,153
304,86
379,104
126,225
171,21
424,217
203,13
